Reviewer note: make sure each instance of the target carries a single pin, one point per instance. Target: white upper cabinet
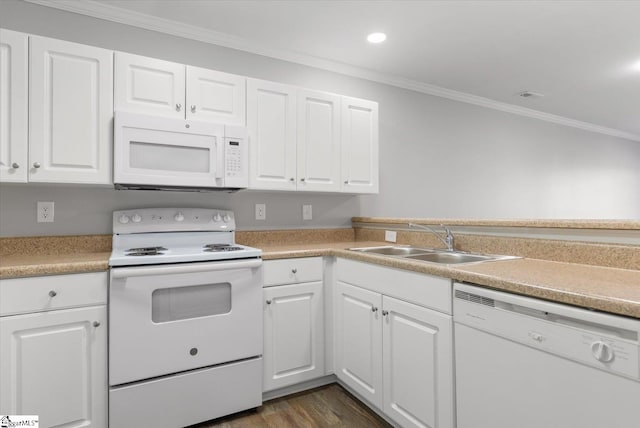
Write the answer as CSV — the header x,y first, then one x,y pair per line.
x,y
318,148
149,85
359,145
70,112
215,96
14,113
162,88
311,141
271,119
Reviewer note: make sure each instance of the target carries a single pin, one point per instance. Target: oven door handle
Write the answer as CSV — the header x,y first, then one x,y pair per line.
x,y
128,272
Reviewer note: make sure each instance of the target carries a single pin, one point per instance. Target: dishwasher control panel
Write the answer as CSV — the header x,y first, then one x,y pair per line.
x,y
605,341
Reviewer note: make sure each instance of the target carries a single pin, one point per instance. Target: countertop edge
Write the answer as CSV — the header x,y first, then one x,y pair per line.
x,y
631,308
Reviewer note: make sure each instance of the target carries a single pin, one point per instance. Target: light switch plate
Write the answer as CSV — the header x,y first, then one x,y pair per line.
x,y
307,212
390,235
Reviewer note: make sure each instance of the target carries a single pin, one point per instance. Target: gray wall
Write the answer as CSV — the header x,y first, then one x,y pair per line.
x,y
438,158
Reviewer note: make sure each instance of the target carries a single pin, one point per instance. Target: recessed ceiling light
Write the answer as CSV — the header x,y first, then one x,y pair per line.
x,y
636,66
376,37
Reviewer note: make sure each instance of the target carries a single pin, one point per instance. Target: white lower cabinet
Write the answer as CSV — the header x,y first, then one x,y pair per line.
x,y
293,322
53,363
359,341
294,334
417,363
396,355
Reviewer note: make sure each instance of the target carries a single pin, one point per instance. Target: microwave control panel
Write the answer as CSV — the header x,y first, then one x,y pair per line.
x,y
233,157
236,158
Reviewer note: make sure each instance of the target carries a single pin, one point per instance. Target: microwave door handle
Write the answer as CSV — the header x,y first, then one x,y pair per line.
x,y
219,158
184,268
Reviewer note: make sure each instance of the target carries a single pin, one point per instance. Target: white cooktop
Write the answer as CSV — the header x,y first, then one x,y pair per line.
x,y
175,235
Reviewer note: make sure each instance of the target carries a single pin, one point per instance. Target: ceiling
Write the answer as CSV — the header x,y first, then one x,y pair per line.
x,y
584,56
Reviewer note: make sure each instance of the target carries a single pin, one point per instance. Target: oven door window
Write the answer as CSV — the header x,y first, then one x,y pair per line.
x,y
180,303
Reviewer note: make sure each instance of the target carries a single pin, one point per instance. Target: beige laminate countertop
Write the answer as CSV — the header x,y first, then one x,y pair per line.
x,y
606,289
611,290
52,264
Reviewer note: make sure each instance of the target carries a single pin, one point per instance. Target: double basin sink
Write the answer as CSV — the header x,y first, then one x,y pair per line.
x,y
431,255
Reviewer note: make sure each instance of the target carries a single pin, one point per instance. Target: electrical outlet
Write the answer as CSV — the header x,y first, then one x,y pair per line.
x,y
45,212
390,235
261,211
307,212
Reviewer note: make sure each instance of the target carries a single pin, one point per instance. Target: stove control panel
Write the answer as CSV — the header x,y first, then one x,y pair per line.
x,y
147,220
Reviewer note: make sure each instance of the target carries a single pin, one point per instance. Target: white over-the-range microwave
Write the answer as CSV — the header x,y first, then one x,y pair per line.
x,y
160,153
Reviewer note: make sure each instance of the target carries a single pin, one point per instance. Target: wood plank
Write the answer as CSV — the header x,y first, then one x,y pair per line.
x,y
326,406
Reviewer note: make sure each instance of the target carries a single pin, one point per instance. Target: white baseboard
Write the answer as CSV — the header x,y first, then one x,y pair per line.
x,y
299,387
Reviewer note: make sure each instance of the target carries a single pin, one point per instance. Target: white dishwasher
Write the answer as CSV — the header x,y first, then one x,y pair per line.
x,y
528,363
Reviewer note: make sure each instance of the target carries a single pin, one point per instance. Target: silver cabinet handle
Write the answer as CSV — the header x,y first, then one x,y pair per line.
x,y
36,164
302,179
346,181
52,293
15,165
96,323
294,271
292,179
385,313
374,309
269,302
193,109
178,107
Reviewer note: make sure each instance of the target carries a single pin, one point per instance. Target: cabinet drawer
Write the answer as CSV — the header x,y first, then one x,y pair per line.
x,y
430,291
46,293
291,271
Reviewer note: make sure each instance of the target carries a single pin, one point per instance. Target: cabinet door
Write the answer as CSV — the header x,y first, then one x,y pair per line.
x,y
70,112
359,145
358,333
271,119
418,369
54,364
318,151
216,97
293,334
149,86
13,106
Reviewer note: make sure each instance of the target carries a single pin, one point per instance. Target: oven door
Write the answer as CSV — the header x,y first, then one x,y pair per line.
x,y
154,151
171,318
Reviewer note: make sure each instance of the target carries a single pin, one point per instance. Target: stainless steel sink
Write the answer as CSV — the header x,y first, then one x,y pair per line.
x,y
393,250
453,257
431,255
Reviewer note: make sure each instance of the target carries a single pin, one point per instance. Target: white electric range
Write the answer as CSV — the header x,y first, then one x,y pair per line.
x,y
185,318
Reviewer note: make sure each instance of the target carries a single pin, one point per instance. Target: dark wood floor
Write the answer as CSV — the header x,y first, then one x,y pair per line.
x,y
327,406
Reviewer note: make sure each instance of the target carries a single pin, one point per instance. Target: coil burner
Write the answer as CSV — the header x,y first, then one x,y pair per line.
x,y
145,251
215,248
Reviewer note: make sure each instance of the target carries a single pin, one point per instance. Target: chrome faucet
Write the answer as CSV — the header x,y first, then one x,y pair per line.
x,y
448,239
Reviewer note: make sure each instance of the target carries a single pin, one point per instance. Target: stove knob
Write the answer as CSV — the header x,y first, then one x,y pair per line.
x,y
217,217
136,218
226,218
124,219
179,216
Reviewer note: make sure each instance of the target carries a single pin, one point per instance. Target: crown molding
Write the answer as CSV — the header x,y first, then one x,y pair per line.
x,y
148,22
